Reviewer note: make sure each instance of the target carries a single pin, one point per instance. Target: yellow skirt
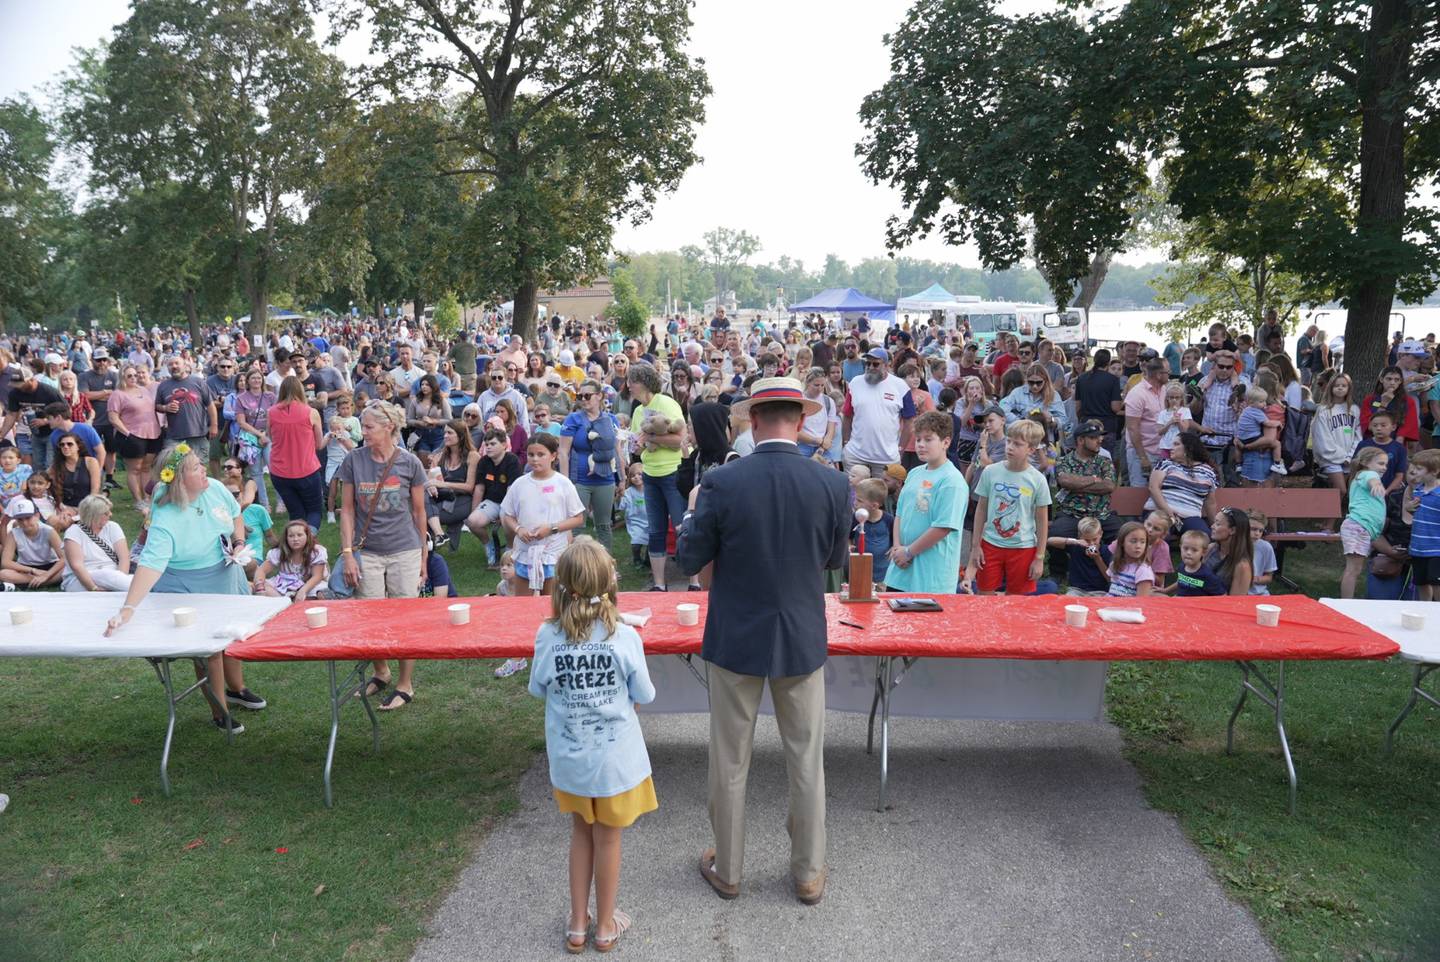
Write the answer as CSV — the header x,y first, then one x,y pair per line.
x,y
616,811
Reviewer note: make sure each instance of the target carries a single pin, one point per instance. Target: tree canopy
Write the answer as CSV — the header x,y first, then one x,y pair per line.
x,y
1000,128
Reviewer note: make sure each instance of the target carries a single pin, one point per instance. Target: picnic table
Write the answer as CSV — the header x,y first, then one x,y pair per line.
x,y
994,627
71,624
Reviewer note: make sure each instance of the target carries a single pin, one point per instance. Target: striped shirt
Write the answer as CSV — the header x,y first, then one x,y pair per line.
x,y
1425,530
1219,416
1186,487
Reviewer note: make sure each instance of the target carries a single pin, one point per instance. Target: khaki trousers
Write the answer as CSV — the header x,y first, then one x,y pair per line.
x,y
800,715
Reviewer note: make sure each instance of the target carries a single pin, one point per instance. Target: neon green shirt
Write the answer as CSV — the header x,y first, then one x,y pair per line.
x,y
659,462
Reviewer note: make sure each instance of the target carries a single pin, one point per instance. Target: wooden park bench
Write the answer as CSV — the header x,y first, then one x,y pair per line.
x,y
1284,507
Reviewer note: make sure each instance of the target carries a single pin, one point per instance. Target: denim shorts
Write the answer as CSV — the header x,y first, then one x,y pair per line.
x,y
1255,465
522,570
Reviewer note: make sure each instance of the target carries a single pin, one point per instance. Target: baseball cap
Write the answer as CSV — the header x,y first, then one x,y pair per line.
x,y
879,353
1149,354
1413,347
20,508
567,358
100,354
1090,429
992,409
54,359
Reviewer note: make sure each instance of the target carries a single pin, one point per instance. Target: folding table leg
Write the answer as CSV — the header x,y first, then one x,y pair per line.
x,y
340,692
162,671
1417,692
1273,695
883,690
874,703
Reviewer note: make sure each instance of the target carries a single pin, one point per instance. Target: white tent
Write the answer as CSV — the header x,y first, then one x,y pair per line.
x,y
932,298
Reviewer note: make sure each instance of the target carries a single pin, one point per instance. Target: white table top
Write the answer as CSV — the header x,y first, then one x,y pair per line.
x,y
71,624
1421,645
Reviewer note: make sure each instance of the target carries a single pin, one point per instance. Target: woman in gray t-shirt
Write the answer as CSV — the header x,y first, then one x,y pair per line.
x,y
390,561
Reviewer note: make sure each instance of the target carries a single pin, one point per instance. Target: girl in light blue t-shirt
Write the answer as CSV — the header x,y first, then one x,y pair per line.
x,y
590,669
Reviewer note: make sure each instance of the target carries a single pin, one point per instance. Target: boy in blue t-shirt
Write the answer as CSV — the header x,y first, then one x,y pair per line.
x,y
1089,560
870,494
1422,504
930,516
1382,436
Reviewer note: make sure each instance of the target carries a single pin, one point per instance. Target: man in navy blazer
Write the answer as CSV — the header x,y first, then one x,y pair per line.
x,y
771,523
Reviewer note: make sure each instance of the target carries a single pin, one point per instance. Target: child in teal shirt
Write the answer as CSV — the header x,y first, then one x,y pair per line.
x,y
929,519
1366,518
1012,518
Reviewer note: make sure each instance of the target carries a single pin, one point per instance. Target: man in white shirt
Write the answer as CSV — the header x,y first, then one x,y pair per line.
x,y
877,406
407,374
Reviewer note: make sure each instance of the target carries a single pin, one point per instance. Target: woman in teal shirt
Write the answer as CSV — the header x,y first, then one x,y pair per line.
x,y
185,553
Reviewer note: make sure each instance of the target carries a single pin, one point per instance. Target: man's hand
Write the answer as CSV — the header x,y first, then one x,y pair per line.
x,y
1037,566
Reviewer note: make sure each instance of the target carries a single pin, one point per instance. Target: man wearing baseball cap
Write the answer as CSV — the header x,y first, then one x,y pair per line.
x,y
877,405
770,524
1087,477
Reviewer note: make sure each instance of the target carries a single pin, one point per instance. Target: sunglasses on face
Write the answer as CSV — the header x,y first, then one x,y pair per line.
x,y
1225,367
872,364
232,467
497,377
583,395
67,444
1036,383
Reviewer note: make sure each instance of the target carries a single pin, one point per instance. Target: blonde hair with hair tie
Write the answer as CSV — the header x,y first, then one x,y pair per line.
x,y
584,591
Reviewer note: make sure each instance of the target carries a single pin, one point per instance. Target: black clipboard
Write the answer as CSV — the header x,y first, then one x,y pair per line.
x,y
913,604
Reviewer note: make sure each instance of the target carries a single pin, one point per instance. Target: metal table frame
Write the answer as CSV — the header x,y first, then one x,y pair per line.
x,y
162,671
1417,694
1252,681
350,688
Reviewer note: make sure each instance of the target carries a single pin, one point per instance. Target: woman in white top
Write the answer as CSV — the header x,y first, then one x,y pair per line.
x,y
97,556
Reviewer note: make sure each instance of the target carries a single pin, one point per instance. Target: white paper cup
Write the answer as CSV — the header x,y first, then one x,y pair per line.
x,y
459,614
1267,616
317,617
21,616
184,617
688,614
1075,615
1412,620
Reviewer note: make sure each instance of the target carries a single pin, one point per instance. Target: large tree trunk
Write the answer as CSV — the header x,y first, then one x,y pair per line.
x,y
1090,283
1384,75
523,320
259,315
417,304
193,316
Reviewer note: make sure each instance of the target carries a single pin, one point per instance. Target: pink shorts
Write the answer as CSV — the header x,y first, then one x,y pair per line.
x,y
1354,539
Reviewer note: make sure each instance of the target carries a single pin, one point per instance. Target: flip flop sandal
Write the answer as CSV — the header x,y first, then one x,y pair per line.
x,y
403,697
622,925
583,936
380,686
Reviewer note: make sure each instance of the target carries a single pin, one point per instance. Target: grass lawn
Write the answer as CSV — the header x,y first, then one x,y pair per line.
x,y
245,861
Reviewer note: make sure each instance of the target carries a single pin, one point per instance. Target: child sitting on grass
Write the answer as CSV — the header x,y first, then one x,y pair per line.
x,y
590,670
1195,577
1130,573
1089,560
295,568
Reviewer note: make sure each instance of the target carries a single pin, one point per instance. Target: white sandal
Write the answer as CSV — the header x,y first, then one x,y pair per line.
x,y
583,936
622,925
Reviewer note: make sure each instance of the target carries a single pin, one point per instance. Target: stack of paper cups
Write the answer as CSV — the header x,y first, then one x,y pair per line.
x,y
1412,620
688,614
184,617
21,616
1075,615
317,617
1267,616
460,614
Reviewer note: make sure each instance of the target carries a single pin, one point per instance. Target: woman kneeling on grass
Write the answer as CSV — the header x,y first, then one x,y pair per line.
x,y
590,669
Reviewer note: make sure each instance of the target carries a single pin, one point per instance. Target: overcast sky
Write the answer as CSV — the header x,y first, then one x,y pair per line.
x,y
778,142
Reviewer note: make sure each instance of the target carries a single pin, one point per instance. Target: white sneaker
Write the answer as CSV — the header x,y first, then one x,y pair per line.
x,y
8,585
4,802
330,517
510,667
1278,468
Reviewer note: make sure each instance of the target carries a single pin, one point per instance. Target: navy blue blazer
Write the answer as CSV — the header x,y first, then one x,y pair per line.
x,y
772,523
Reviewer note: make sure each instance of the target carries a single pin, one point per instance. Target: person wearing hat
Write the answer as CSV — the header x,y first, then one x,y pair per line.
x,y
877,407
23,405
32,556
97,384
54,364
1086,477
770,524
568,370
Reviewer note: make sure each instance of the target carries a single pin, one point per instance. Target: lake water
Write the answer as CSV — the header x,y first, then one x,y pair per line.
x,y
1110,326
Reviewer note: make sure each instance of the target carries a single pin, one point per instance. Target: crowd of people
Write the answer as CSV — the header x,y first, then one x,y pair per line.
x,y
984,465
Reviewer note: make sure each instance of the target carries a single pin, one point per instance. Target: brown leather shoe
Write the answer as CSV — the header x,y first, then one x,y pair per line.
x,y
707,871
813,891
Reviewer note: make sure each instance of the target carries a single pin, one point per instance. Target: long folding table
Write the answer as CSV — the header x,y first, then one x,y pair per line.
x,y
71,624
1419,646
1183,629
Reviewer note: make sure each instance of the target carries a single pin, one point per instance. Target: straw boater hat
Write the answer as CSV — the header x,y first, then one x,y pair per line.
x,y
770,389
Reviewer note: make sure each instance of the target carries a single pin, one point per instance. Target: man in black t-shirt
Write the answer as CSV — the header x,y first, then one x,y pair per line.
x,y
97,384
27,399
1098,396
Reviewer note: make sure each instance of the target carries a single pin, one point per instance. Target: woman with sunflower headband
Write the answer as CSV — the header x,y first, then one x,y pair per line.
x,y
194,521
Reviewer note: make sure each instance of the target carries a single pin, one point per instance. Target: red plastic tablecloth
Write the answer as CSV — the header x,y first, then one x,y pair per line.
x,y
1177,629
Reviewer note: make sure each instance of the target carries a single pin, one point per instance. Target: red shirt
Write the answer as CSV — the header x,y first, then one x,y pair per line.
x,y
1002,364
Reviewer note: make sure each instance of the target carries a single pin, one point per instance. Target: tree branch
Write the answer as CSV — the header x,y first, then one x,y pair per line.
x,y
447,29
469,170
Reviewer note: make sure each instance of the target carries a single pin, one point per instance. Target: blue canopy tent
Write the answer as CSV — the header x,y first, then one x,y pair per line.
x,y
839,300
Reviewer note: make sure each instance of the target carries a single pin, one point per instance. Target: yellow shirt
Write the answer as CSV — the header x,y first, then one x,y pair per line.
x,y
658,462
574,373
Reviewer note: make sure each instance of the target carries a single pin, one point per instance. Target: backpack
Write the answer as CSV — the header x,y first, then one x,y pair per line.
x,y
1294,440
